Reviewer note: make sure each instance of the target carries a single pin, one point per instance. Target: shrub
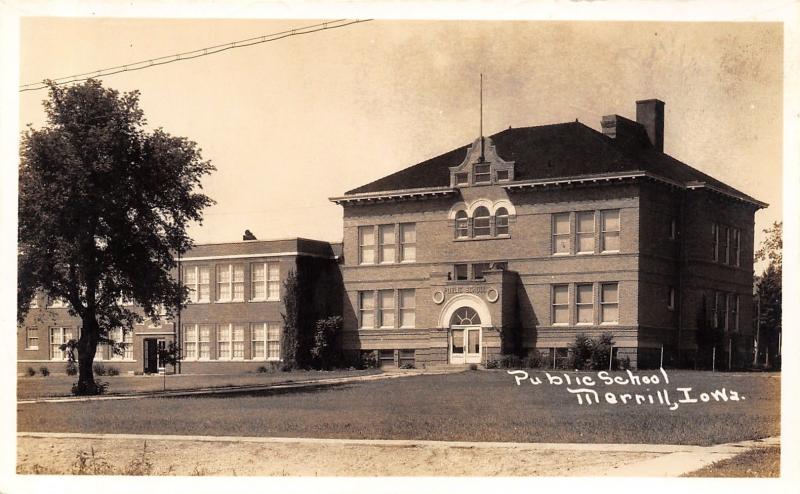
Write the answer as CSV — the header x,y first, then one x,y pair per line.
x,y
113,371
592,354
408,365
581,358
99,369
44,371
72,368
369,360
30,371
324,352
534,360
601,351
492,364
473,367
261,369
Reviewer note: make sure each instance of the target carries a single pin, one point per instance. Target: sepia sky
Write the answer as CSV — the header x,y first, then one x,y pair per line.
x,y
293,122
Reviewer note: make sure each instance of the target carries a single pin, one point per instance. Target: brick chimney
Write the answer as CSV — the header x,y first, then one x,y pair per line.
x,y
650,114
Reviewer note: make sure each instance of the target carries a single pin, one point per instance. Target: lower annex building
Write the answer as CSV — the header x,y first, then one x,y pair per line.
x,y
515,243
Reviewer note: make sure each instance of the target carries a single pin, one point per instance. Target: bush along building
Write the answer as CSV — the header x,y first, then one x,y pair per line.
x,y
514,244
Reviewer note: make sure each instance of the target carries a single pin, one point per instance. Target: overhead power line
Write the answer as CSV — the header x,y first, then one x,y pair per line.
x,y
202,52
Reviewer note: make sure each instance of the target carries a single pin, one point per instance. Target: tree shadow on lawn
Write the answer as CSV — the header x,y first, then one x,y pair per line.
x,y
262,393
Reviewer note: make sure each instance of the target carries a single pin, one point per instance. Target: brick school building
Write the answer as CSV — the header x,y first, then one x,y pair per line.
x,y
512,244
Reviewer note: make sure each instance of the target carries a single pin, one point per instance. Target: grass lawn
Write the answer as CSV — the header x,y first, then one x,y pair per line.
x,y
61,385
469,406
760,462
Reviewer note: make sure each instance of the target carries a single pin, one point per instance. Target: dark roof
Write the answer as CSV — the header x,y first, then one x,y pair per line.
x,y
554,151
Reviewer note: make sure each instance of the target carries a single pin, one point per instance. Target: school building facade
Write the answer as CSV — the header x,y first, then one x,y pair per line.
x,y
515,243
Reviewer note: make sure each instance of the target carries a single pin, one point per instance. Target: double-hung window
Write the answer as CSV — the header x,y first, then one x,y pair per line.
x,y
461,272
264,281
584,303
366,309
31,338
366,245
735,246
386,241
585,225
124,341
408,242
197,341
735,312
483,174
224,341
230,341
197,280
609,234
715,242
561,232
478,269
406,299
265,341
560,298
501,222
386,308
609,303
230,282
462,224
726,246
481,222
58,337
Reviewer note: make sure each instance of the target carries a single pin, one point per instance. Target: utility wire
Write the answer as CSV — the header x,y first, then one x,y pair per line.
x,y
144,64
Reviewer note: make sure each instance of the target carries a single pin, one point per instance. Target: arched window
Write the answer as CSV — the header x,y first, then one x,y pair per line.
x,y
465,316
501,221
462,225
480,220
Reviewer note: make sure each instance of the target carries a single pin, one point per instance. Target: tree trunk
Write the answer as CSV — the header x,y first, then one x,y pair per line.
x,y
87,347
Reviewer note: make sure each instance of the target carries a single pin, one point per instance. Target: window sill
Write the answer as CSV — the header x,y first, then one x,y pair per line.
x,y
609,323
32,348
229,301
480,238
609,252
264,300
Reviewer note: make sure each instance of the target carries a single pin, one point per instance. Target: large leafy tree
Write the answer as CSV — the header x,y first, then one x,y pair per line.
x,y
103,208
770,292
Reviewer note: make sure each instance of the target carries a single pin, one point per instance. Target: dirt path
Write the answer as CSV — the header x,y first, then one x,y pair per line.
x,y
50,455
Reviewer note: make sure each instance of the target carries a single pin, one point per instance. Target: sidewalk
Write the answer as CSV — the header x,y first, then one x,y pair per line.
x,y
206,455
280,385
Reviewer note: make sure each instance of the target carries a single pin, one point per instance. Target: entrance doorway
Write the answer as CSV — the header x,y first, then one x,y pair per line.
x,y
465,337
152,362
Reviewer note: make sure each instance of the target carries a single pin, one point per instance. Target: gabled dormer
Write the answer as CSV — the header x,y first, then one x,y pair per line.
x,y
481,166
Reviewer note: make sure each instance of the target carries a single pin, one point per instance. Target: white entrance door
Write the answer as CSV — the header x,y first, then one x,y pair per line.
x,y
465,345
465,337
